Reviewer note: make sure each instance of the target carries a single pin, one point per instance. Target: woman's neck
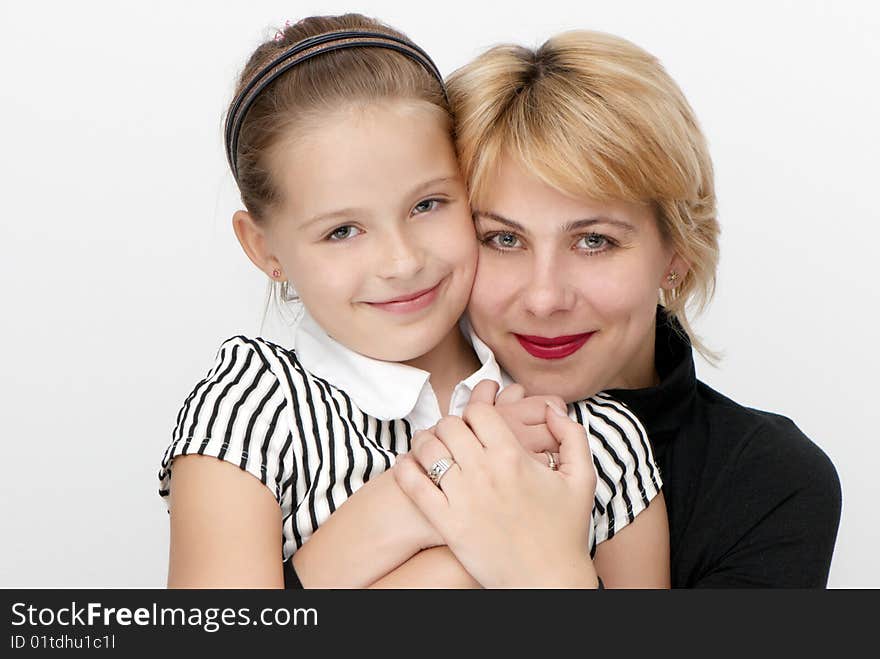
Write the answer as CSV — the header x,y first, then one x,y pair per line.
x,y
449,363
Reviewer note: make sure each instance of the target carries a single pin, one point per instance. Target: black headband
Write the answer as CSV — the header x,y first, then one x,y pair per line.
x,y
288,59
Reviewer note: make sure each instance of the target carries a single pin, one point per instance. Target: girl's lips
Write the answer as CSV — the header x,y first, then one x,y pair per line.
x,y
557,347
409,303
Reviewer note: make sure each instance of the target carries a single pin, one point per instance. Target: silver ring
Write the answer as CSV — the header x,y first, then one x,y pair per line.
x,y
440,467
551,461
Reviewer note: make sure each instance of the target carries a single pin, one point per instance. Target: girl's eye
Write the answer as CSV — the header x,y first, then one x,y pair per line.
x,y
594,242
502,240
426,206
343,233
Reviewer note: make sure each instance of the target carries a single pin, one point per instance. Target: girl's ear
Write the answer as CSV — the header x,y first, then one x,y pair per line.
x,y
252,236
675,272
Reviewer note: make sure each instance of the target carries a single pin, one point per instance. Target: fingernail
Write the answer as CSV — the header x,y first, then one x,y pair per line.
x,y
556,408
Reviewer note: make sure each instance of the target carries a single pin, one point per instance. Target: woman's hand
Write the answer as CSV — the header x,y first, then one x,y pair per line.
x,y
510,520
524,415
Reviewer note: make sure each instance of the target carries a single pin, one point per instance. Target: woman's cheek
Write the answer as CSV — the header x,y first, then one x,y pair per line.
x,y
491,287
619,288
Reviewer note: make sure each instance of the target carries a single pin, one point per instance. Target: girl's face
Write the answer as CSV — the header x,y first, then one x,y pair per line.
x,y
374,229
566,289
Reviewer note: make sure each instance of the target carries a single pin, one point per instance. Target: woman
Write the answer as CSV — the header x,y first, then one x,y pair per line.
x,y
593,197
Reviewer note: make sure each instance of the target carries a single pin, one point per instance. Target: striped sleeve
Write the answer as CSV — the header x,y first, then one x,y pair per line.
x,y
236,414
627,477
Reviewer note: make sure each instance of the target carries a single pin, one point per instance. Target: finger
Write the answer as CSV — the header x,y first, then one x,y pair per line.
x,y
424,494
485,392
531,410
541,457
511,394
459,441
427,449
575,458
429,453
535,438
488,426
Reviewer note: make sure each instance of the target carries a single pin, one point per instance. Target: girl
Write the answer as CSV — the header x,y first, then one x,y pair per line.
x,y
339,140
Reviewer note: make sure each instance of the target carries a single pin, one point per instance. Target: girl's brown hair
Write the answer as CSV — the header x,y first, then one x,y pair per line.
x,y
316,87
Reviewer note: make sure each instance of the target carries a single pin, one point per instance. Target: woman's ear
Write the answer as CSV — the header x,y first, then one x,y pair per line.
x,y
675,272
252,236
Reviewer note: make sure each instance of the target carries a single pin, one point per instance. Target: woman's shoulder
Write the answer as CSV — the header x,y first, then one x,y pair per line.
x,y
766,443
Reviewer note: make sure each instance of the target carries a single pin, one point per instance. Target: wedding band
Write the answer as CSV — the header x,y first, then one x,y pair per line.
x,y
440,467
551,461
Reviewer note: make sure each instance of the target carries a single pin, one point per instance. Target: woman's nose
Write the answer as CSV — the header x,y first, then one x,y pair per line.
x,y
548,289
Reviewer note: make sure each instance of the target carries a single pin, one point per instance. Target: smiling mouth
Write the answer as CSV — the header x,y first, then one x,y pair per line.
x,y
557,347
410,302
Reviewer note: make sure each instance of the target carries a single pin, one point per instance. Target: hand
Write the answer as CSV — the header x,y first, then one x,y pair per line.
x,y
373,532
509,520
524,416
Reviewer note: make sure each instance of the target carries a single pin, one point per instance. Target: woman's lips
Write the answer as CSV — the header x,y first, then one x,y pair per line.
x,y
552,348
409,302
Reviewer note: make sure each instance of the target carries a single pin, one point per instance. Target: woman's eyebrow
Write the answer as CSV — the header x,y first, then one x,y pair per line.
x,y
568,227
600,219
499,218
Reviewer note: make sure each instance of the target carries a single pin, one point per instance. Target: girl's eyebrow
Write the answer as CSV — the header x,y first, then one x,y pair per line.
x,y
348,213
568,227
427,185
340,214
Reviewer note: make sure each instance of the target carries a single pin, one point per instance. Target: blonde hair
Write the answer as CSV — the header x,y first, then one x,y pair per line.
x,y
595,116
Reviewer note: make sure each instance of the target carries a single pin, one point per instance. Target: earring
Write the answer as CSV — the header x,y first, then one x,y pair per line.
x,y
672,277
276,273
288,292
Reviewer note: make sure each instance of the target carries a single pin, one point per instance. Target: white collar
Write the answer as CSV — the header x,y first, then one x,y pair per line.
x,y
384,390
490,369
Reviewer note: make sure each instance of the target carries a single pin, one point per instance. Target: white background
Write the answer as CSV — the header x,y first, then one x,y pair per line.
x,y
121,274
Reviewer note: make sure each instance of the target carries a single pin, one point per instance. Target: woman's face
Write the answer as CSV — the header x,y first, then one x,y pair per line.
x,y
566,289
374,229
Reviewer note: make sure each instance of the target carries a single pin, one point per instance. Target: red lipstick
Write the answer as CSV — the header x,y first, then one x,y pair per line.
x,y
557,347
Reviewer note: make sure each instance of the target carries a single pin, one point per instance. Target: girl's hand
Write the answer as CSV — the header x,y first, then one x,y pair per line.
x,y
376,530
509,520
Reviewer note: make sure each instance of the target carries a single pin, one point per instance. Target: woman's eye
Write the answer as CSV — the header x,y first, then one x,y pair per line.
x,y
344,233
593,242
503,240
426,206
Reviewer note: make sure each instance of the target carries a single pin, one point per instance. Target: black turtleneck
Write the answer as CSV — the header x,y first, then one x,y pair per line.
x,y
751,500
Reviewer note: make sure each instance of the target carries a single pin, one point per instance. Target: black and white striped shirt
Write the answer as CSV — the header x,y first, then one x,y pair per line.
x,y
315,423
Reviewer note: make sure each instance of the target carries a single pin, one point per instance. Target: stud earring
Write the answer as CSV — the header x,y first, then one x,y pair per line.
x,y
276,273
672,277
